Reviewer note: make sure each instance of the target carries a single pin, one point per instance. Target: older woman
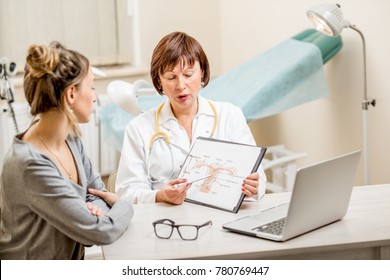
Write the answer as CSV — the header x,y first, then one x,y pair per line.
x,y
157,142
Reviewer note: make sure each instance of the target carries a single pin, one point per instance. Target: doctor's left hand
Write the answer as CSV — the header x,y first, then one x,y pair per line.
x,y
251,184
173,195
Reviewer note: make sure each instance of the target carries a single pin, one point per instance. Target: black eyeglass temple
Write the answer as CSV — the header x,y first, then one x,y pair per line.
x,y
206,224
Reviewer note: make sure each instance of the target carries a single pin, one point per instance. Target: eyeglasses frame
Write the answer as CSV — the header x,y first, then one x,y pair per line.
x,y
174,225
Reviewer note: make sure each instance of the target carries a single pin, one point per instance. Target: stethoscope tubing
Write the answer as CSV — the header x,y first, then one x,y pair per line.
x,y
162,134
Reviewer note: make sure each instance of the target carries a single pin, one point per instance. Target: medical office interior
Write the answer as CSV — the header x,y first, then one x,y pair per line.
x,y
122,34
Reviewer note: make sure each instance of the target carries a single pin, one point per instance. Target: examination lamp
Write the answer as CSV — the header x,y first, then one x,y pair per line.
x,y
329,20
125,94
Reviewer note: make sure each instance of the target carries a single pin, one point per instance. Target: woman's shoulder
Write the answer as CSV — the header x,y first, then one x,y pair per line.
x,y
22,154
23,151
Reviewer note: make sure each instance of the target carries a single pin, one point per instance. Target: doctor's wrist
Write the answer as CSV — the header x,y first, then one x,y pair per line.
x,y
160,196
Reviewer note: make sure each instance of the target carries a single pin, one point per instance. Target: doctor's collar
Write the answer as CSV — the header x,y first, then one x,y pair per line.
x,y
204,108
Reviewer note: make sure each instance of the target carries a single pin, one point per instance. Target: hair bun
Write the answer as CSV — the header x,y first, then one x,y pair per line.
x,y
42,60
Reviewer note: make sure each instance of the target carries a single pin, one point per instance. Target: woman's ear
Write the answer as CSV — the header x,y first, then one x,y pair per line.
x,y
70,96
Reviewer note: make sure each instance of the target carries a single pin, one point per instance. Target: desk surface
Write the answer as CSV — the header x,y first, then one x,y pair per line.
x,y
364,233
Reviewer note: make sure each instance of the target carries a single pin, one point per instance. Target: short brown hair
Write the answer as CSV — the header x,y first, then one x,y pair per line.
x,y
170,50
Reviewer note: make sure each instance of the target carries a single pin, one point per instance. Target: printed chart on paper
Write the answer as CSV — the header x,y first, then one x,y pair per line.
x,y
227,163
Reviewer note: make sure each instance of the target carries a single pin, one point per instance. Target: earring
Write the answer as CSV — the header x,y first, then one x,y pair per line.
x,y
202,83
161,89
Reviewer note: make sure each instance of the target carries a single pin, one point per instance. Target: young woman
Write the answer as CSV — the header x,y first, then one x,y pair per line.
x,y
54,203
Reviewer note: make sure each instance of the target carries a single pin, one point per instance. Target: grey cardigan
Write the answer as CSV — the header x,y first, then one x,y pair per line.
x,y
44,215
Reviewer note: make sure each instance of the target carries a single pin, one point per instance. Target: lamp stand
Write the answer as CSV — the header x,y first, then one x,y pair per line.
x,y
366,102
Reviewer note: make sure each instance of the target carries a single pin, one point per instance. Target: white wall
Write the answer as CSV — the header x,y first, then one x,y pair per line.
x,y
332,125
198,18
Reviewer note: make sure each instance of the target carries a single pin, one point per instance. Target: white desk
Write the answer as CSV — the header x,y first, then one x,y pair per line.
x,y
364,233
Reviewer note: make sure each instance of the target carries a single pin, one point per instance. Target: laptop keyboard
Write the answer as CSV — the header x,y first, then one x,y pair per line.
x,y
274,227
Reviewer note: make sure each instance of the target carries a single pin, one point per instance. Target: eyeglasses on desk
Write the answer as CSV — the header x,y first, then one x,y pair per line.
x,y
164,228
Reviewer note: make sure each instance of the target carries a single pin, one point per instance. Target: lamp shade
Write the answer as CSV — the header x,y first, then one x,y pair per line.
x,y
125,94
328,19
122,94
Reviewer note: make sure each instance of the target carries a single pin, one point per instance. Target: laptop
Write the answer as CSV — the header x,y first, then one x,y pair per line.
x,y
320,196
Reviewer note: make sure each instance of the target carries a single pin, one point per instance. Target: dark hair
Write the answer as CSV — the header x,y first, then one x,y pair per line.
x,y
173,48
49,72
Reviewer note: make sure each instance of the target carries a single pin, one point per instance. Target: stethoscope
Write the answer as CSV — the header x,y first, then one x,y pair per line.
x,y
163,135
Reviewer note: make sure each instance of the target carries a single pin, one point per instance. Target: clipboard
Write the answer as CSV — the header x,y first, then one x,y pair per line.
x,y
228,163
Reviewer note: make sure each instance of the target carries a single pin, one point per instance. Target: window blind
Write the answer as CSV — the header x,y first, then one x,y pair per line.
x,y
99,29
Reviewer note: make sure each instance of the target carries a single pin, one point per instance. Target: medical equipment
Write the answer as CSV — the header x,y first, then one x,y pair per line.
x,y
8,69
281,78
163,135
280,167
125,94
329,20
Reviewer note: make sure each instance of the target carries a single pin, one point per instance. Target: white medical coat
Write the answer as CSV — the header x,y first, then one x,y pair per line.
x,y
132,182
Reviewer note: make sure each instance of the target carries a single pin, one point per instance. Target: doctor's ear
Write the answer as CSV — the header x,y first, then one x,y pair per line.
x,y
160,88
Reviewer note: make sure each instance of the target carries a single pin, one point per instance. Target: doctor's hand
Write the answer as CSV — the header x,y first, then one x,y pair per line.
x,y
251,184
173,195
